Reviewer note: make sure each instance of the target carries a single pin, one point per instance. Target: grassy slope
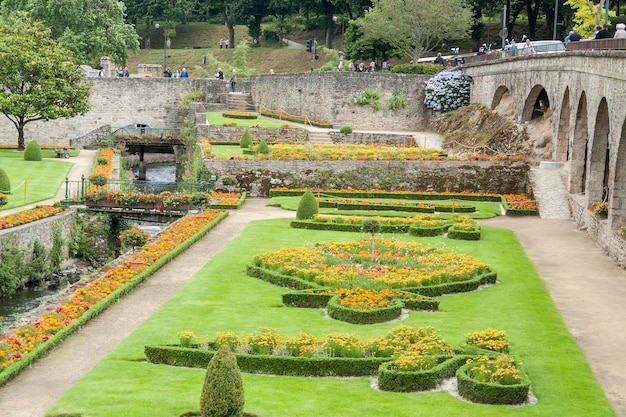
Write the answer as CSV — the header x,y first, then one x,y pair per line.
x,y
222,298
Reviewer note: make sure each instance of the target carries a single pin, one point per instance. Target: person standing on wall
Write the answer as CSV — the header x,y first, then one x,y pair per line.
x,y
220,74
183,73
167,73
233,80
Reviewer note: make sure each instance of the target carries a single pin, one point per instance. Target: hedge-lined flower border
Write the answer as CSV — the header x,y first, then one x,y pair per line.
x,y
89,301
514,204
442,361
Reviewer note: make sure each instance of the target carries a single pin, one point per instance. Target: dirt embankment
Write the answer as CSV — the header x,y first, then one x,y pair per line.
x,y
475,129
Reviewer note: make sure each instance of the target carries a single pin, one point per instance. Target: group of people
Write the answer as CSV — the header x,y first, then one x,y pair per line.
x,y
358,66
224,43
181,73
119,72
601,32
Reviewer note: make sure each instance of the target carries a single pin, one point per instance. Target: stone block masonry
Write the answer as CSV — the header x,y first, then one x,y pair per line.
x,y
258,177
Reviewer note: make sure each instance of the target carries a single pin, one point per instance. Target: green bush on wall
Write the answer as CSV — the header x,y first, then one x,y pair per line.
x,y
32,151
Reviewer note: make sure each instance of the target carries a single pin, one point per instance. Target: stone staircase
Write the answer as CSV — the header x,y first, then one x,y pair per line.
x,y
239,102
319,137
550,192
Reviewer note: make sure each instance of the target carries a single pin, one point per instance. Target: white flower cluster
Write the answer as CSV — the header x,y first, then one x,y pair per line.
x,y
447,91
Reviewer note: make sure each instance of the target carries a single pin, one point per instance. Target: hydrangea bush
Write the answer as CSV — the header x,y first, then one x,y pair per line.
x,y
447,91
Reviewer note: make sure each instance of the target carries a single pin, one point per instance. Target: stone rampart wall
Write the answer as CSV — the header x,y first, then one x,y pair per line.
x,y
257,177
328,96
233,134
378,138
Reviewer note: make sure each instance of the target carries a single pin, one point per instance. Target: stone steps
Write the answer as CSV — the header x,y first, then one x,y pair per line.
x,y
550,192
319,137
240,102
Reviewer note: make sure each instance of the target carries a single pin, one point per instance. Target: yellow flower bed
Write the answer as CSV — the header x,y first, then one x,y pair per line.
x,y
391,264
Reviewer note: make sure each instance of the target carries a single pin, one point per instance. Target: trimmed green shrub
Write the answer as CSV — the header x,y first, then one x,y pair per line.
x,y
246,140
222,392
229,180
307,207
345,130
5,183
263,148
3,199
421,68
486,393
98,179
32,151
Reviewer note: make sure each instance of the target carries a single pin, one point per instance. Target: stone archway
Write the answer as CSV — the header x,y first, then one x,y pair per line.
x,y
578,154
618,196
536,104
562,147
502,102
597,187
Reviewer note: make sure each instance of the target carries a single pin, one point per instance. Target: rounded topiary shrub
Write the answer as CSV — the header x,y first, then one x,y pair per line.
x,y
246,140
222,391
345,130
263,148
5,183
32,151
307,208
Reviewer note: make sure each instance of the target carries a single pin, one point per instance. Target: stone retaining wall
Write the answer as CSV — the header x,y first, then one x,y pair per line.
x,y
394,139
233,134
257,177
599,230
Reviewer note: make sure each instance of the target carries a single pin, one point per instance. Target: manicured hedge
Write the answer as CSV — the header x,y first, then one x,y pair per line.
x,y
304,299
417,230
390,194
239,115
355,316
454,233
391,380
238,204
482,392
268,364
455,287
281,280
346,227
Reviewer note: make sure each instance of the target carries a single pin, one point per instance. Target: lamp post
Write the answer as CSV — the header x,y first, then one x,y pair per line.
x,y
342,31
166,44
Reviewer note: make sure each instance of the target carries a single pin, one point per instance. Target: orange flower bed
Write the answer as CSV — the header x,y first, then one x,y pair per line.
x,y
27,216
25,338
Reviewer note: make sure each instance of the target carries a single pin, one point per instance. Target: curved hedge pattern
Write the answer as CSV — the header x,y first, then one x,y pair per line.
x,y
481,392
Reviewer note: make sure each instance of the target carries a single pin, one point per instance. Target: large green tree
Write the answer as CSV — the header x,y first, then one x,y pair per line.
x,y
39,79
416,26
91,29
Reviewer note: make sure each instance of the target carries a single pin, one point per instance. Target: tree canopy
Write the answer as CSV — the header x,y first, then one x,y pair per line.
x,y
90,29
416,26
39,79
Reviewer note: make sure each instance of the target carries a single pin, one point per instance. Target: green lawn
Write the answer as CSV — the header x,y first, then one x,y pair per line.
x,y
222,298
216,118
36,181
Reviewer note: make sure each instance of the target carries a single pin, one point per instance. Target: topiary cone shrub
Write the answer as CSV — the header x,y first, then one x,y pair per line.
x,y
222,391
307,208
5,183
246,140
32,151
263,148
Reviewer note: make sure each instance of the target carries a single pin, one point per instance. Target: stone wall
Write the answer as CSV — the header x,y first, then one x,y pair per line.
x,y
257,177
233,134
328,96
599,230
41,230
118,102
378,138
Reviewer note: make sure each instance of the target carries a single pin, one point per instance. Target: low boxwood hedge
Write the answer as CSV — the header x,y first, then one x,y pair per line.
x,y
305,299
391,380
355,316
396,195
268,364
346,227
239,115
454,233
485,393
420,231
281,280
455,287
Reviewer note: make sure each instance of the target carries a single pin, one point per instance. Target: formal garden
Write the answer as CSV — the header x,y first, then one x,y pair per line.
x,y
378,303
